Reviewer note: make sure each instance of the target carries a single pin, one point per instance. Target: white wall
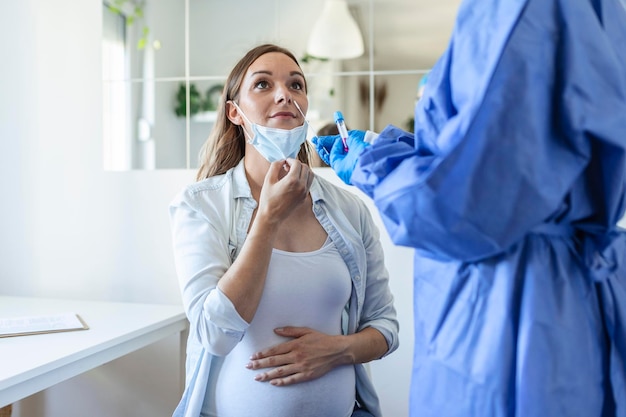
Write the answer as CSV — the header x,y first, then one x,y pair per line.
x,y
69,229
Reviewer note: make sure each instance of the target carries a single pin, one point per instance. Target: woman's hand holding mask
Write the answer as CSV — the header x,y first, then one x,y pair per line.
x,y
286,185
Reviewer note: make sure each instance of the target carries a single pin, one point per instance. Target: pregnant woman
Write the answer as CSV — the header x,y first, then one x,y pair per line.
x,y
282,273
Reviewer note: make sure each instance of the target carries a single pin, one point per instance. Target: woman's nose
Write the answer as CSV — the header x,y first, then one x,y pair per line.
x,y
283,94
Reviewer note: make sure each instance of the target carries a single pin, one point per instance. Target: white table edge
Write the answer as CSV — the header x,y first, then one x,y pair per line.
x,y
50,374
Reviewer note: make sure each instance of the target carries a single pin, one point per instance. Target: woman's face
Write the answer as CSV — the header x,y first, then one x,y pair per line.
x,y
268,91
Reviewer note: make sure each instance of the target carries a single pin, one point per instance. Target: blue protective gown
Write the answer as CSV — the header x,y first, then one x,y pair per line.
x,y
510,190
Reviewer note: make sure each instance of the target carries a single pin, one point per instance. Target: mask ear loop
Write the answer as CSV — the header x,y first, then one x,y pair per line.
x,y
245,131
305,119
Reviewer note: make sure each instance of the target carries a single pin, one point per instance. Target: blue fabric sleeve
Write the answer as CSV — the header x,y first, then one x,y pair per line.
x,y
500,139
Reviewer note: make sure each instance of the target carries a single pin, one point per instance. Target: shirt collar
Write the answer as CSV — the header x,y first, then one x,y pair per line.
x,y
242,187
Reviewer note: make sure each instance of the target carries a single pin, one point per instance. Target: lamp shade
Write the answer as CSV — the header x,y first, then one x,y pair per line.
x,y
335,34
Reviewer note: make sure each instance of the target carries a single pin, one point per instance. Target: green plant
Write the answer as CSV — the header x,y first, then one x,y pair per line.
x,y
196,104
132,10
410,124
306,58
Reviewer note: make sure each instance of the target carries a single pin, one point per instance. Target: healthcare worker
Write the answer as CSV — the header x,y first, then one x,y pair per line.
x,y
510,191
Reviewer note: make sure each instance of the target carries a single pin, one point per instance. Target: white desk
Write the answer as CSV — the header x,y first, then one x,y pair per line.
x,y
29,364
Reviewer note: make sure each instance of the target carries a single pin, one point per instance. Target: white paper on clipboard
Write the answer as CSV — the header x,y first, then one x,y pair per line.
x,y
50,323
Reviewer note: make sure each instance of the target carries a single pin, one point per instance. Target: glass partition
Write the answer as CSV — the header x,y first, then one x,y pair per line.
x,y
165,61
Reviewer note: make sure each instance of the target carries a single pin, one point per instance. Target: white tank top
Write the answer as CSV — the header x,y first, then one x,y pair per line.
x,y
302,289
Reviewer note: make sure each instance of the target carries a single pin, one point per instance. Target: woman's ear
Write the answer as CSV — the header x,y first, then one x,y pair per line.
x,y
233,113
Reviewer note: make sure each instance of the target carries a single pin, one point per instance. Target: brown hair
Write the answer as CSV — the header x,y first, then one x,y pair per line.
x,y
226,143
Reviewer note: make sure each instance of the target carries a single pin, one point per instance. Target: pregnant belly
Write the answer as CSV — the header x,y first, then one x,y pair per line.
x,y
237,394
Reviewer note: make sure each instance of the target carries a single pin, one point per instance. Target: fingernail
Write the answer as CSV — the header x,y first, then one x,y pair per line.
x,y
249,365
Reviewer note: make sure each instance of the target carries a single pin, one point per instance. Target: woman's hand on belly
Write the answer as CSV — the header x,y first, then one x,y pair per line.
x,y
309,355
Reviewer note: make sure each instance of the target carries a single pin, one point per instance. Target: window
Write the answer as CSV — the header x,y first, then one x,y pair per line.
x,y
191,45
115,92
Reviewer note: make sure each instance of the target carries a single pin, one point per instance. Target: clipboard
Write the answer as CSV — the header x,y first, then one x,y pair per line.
x,y
50,323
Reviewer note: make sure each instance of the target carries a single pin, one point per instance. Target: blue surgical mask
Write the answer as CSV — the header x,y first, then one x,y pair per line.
x,y
273,143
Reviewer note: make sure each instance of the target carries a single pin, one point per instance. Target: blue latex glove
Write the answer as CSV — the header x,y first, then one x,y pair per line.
x,y
330,150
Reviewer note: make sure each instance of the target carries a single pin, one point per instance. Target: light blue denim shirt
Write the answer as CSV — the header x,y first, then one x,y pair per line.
x,y
210,220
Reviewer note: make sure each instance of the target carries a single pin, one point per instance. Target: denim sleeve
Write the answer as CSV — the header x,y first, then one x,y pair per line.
x,y
202,256
378,310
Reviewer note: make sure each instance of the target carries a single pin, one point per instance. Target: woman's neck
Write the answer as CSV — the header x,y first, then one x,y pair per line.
x,y
256,168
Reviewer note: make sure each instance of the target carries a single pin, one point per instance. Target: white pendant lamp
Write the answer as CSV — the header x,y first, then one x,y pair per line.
x,y
335,35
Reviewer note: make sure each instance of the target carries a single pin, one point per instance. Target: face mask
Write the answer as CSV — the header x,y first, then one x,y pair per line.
x,y
273,143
